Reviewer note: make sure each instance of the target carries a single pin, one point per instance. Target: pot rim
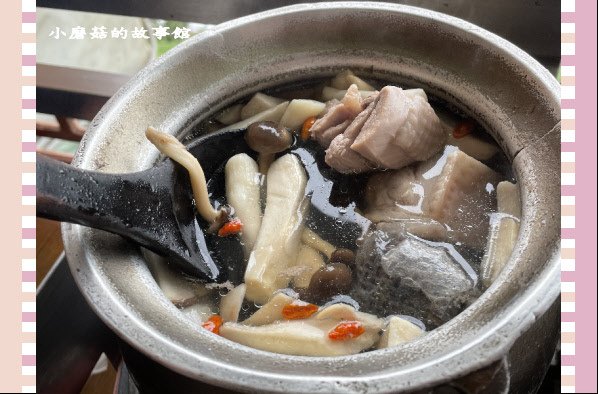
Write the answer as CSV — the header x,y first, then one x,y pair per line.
x,y
500,332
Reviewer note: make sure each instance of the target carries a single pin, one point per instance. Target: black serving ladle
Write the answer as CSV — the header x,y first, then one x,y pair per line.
x,y
154,208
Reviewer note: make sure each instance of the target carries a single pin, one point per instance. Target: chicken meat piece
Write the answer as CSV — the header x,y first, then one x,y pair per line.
x,y
453,189
402,129
340,156
337,117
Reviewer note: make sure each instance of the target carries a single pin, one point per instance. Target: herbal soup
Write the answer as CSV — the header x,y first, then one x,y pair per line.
x,y
367,215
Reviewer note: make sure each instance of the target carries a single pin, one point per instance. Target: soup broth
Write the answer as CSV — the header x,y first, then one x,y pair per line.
x,y
360,235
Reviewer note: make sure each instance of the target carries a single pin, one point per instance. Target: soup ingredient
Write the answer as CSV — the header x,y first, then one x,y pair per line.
x,y
278,240
307,337
270,311
213,324
396,128
260,102
332,279
463,128
232,227
346,330
329,93
267,138
182,292
309,261
309,122
173,148
504,229
230,115
299,110
474,146
453,189
298,310
337,117
339,154
398,331
428,280
310,238
230,304
402,129
197,313
242,179
273,114
461,196
345,79
345,256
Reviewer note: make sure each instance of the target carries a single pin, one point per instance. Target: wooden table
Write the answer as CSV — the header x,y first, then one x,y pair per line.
x,y
49,248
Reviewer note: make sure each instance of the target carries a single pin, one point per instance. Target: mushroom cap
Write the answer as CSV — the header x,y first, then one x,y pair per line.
x,y
268,137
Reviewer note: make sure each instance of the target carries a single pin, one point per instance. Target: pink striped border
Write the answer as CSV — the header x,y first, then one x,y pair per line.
x,y
578,194
567,200
582,379
28,220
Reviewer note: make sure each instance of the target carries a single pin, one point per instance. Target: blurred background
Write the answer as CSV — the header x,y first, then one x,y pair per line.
x,y
75,77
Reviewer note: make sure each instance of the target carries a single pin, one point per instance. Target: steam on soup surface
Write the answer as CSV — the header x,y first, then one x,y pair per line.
x,y
367,215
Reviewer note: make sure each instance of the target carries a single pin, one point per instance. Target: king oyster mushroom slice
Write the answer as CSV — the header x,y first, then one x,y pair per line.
x,y
181,291
504,229
330,93
273,114
346,78
260,102
398,331
278,240
299,110
243,194
308,337
197,313
271,311
230,115
230,304
471,144
309,260
342,311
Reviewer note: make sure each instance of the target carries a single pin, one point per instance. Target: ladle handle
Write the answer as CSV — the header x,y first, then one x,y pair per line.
x,y
117,203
